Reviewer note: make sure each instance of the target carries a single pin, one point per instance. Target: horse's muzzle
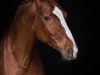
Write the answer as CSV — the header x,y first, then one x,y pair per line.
x,y
70,54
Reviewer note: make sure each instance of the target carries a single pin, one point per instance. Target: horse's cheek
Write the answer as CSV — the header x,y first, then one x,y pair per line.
x,y
42,36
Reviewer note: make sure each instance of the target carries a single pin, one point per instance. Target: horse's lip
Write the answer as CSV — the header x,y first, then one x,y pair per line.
x,y
65,57
69,59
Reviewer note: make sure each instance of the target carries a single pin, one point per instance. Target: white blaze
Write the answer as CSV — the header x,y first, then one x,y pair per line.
x,y
59,14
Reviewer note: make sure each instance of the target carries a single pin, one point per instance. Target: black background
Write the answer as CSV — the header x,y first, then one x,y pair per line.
x,y
81,20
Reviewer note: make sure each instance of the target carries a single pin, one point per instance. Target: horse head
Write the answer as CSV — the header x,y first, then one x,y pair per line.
x,y
51,28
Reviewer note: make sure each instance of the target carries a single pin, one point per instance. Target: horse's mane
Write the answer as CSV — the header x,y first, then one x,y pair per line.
x,y
25,3
22,5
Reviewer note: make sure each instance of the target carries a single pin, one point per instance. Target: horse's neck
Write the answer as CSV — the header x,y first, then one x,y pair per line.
x,y
22,38
18,47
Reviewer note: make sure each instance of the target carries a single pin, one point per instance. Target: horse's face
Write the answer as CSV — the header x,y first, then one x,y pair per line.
x,y
52,29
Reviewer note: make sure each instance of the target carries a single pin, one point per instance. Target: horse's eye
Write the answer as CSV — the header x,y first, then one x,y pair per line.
x,y
46,18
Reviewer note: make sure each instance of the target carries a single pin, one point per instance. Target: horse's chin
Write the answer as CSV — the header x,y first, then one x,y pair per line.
x,y
66,58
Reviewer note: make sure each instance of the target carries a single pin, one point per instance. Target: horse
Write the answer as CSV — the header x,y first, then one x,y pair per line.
x,y
35,19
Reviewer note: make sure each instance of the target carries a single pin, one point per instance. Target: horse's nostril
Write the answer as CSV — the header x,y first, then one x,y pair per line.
x,y
70,51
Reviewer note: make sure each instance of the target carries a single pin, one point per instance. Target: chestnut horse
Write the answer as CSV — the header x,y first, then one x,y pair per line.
x,y
35,19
